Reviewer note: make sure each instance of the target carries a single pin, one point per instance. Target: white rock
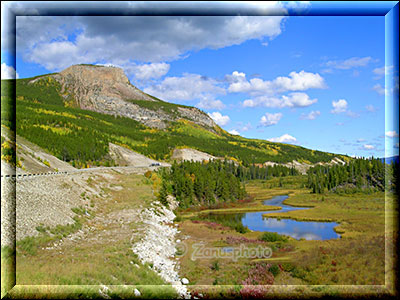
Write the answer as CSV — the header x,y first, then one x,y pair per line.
x,y
137,293
178,241
185,281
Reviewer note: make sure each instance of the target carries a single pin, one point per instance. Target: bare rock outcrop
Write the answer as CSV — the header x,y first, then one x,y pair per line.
x,y
126,157
188,154
107,90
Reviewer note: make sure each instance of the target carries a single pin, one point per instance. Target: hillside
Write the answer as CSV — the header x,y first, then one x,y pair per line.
x,y
77,113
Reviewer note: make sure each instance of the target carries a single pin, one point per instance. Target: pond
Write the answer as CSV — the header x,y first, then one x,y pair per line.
x,y
296,229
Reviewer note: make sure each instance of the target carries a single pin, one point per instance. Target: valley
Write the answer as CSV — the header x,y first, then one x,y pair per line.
x,y
109,192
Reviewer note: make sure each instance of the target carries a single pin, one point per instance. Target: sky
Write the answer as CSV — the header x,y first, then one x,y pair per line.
x,y
314,81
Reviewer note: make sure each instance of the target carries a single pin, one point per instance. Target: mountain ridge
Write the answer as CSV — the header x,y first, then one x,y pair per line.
x,y
59,113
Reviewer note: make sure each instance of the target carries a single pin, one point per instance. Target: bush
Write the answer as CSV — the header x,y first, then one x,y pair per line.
x,y
215,265
241,228
272,237
274,269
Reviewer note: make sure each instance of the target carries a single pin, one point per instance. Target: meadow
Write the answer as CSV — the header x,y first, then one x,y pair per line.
x,y
355,260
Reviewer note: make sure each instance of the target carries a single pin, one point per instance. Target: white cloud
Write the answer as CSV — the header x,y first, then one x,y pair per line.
x,y
8,72
249,103
270,119
211,104
300,81
122,40
391,134
286,138
379,89
312,115
187,87
234,132
291,100
353,62
219,118
360,140
339,106
147,71
368,147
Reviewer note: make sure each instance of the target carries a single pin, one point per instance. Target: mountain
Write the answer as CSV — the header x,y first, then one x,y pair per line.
x,y
75,115
107,90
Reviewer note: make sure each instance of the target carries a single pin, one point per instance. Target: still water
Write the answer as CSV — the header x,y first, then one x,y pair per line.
x,y
296,229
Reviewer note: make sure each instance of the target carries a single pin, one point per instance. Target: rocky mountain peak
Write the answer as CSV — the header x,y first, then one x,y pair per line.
x,y
107,90
91,84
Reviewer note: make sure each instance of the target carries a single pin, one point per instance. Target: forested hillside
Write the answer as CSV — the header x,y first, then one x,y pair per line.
x,y
357,175
47,117
212,183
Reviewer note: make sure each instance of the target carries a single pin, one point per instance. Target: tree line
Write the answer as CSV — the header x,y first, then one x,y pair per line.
x,y
209,183
357,175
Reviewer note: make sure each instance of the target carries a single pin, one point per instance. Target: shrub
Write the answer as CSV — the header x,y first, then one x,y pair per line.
x,y
241,228
274,269
272,237
215,265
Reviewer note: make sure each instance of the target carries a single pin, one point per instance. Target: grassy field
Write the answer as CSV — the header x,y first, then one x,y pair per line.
x,y
353,265
103,257
356,260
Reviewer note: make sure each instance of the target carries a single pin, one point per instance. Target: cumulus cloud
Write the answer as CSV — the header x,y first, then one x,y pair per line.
x,y
125,39
300,81
270,119
368,147
292,100
234,132
391,134
211,104
286,138
8,72
312,115
219,118
186,87
339,106
147,71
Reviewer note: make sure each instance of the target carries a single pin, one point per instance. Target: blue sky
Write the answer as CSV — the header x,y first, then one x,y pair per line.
x,y
313,81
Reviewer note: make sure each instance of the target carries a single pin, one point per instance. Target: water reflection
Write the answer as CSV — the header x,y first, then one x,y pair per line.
x,y
296,229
